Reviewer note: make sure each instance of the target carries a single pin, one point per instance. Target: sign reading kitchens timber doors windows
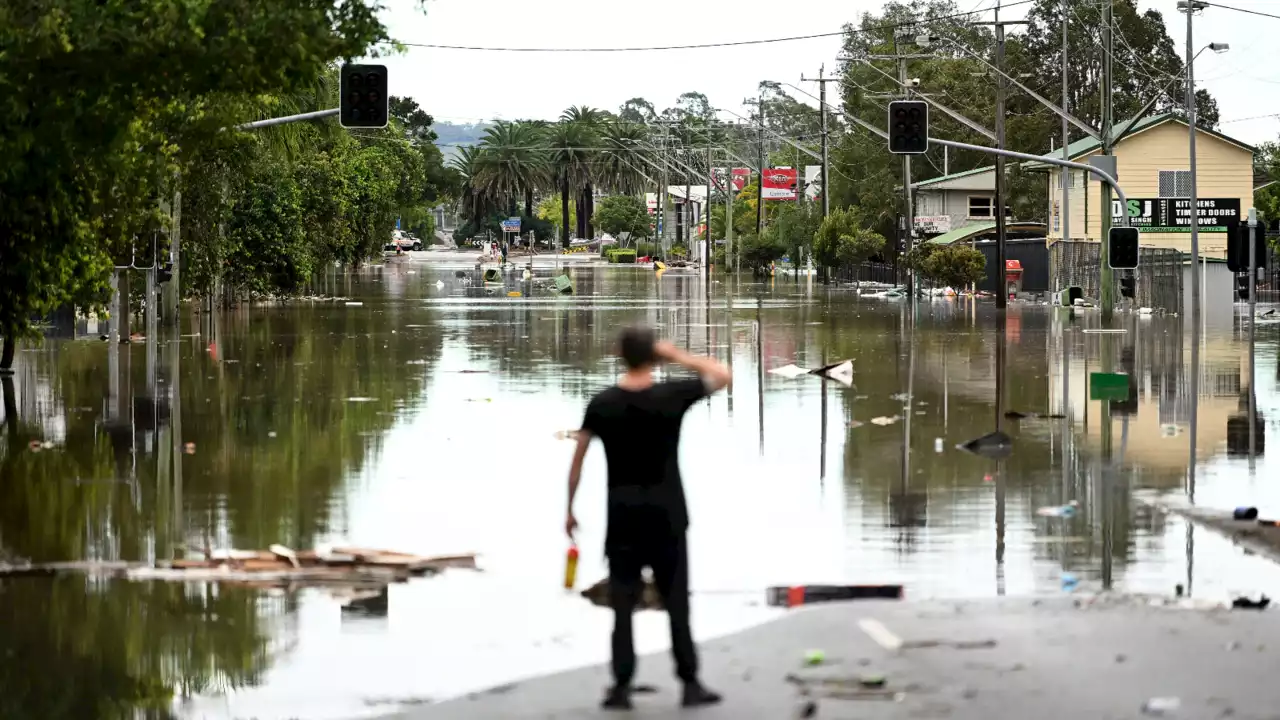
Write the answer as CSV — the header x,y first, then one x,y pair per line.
x,y
1173,215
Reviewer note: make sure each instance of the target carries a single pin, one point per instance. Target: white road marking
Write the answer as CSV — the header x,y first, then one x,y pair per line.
x,y
881,634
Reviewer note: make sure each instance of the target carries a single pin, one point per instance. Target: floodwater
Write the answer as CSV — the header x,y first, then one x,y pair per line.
x,y
423,418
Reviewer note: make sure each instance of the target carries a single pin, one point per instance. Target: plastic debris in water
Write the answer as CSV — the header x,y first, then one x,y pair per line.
x,y
361,399
1069,582
938,445
1161,706
189,448
995,444
351,303
814,657
882,421
1067,510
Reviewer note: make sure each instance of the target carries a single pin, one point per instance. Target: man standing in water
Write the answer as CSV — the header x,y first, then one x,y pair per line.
x,y
639,421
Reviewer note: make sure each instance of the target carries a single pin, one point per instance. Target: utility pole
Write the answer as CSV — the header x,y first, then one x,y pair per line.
x,y
822,107
1065,211
1190,7
662,198
761,160
1002,296
1108,289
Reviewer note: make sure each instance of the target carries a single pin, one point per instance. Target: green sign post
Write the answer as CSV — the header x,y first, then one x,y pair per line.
x,y
1109,386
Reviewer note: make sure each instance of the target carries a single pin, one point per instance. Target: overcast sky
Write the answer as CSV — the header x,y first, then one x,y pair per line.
x,y
468,86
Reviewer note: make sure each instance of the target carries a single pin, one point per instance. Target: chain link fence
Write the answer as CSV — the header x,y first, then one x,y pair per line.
x,y
1159,274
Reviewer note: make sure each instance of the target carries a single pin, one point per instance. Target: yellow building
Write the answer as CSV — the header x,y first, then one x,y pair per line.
x,y
1153,169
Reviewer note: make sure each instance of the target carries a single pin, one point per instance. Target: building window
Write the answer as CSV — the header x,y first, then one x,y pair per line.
x,y
1070,182
981,207
1175,183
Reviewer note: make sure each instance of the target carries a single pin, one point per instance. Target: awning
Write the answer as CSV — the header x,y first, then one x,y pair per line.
x,y
977,230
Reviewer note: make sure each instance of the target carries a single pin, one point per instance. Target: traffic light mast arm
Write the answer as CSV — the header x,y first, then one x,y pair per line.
x,y
1103,175
270,122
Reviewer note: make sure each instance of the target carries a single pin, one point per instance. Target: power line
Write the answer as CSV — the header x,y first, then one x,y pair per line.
x,y
702,46
1243,10
1255,117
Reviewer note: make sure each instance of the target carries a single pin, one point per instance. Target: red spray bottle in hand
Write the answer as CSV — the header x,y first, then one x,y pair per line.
x,y
571,567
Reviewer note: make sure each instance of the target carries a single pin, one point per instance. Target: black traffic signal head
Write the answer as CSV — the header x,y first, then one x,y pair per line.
x,y
364,96
1128,287
1122,248
1238,241
164,273
908,127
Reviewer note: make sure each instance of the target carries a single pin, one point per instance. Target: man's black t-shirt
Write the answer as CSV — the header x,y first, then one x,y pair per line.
x,y
640,430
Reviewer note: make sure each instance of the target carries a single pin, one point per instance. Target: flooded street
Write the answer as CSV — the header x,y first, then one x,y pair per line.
x,y
421,415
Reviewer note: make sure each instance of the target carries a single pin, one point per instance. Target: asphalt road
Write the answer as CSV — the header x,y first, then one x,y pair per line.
x,y
1069,657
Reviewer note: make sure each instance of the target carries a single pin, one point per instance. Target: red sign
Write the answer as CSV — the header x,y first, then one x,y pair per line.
x,y
779,184
1012,264
741,176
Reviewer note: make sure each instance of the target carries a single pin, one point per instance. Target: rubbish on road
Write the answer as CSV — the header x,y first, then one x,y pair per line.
x,y
277,566
806,594
996,444
564,285
938,445
1069,582
1067,510
1161,706
1245,603
871,681
354,303
814,657
1018,415
1178,590
1245,513
492,275
514,293
882,420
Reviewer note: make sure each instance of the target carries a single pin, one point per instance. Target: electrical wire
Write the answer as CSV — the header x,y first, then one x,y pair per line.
x,y
1255,117
1243,10
701,46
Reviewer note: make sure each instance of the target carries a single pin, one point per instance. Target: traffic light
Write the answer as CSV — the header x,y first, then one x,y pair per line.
x,y
164,273
908,127
1238,247
364,96
1128,286
1122,248
1242,286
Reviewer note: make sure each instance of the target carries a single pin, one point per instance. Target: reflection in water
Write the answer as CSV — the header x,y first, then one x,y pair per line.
x,y
422,420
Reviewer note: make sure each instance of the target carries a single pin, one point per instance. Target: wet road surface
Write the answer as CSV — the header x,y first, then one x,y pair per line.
x,y
418,414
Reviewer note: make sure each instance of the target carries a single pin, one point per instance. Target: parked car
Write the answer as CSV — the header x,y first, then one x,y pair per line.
x,y
402,241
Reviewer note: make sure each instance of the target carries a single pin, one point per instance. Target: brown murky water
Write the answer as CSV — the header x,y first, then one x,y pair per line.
x,y
424,419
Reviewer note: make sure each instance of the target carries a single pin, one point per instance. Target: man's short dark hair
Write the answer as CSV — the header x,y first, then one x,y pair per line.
x,y
636,347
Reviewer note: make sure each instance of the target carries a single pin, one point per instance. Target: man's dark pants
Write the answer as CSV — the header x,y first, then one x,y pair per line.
x,y
665,554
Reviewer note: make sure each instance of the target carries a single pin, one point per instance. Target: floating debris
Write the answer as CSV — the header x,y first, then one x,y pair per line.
x,y
856,424
354,303
1017,415
882,420
996,444
189,448
361,399
1161,706
814,657
841,372
1067,510
1244,603
277,566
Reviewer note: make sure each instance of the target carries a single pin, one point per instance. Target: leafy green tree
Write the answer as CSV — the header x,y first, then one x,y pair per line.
x,y
637,111
550,211
572,151
794,227
1267,165
954,266
513,162
842,239
617,214
102,102
759,252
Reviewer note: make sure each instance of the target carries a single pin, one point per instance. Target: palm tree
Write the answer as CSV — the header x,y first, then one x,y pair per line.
x,y
469,163
571,151
590,119
513,163
622,155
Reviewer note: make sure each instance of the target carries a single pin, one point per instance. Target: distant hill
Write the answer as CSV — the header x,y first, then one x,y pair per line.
x,y
451,136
